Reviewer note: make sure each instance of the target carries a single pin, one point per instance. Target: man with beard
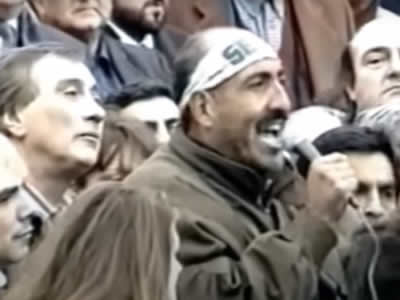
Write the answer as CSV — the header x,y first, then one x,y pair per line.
x,y
218,166
143,22
113,64
18,28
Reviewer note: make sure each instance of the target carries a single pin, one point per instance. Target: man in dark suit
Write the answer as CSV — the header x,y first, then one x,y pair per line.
x,y
113,64
142,22
19,29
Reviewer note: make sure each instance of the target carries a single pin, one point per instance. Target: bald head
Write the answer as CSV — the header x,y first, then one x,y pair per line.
x,y
375,56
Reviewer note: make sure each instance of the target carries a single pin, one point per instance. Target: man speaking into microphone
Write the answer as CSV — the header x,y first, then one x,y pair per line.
x,y
217,166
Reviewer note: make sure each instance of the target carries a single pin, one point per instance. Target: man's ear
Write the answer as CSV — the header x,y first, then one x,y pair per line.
x,y
14,125
202,108
349,90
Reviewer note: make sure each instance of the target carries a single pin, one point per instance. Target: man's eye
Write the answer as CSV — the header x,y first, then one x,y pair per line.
x,y
361,190
388,193
256,83
375,60
71,93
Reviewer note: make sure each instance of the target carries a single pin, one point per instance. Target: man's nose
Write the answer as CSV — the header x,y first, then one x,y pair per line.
x,y
279,100
162,133
395,65
374,209
93,112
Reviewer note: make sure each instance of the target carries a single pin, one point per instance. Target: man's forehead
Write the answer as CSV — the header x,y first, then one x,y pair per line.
x,y
378,33
372,166
53,70
154,108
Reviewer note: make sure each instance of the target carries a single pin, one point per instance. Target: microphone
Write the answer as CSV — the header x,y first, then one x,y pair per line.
x,y
307,150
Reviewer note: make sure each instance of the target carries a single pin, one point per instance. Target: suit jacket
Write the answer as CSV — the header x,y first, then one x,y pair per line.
x,y
133,61
315,35
167,41
33,32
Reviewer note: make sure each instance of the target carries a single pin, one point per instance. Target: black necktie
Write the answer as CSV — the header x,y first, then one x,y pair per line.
x,y
8,35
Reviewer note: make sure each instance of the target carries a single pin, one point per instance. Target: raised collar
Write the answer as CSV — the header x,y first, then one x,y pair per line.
x,y
117,32
219,171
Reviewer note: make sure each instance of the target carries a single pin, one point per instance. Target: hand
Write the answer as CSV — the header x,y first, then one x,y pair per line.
x,y
330,182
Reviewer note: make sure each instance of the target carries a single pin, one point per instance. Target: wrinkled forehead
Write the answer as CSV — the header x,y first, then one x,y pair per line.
x,y
52,70
379,33
156,108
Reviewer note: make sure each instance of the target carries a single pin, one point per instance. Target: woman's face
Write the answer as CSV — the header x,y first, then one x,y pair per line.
x,y
175,265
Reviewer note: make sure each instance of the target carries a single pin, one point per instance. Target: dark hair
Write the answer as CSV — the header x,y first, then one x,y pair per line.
x,y
17,87
142,89
349,139
112,243
131,141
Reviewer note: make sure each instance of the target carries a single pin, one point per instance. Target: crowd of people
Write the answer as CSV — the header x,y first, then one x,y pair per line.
x,y
183,149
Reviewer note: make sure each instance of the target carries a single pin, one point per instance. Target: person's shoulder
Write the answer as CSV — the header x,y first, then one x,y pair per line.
x,y
163,166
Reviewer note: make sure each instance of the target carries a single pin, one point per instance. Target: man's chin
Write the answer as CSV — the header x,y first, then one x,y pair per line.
x,y
272,165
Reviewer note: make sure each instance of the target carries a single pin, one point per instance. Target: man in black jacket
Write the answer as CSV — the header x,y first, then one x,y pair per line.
x,y
112,63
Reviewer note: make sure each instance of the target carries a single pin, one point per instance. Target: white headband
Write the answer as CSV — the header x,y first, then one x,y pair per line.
x,y
224,61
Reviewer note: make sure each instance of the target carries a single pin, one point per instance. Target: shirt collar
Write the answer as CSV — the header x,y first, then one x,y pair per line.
x,y
13,23
118,32
250,7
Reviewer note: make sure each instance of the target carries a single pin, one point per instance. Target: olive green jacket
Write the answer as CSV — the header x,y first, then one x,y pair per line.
x,y
229,247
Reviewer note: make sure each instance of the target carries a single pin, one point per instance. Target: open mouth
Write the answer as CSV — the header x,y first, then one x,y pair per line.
x,y
270,128
269,133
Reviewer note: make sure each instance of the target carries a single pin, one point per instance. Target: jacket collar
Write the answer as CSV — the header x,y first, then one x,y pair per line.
x,y
220,171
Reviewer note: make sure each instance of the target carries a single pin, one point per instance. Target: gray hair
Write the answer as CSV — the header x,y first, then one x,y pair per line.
x,y
386,119
310,122
17,87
